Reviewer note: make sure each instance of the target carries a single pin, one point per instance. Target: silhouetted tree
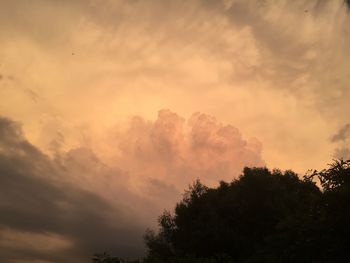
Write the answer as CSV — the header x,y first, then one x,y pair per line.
x,y
234,221
334,212
106,258
262,217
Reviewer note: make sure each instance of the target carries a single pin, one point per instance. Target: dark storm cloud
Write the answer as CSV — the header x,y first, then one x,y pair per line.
x,y
347,2
34,199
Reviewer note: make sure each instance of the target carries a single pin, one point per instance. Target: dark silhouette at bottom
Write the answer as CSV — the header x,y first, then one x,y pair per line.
x,y
263,216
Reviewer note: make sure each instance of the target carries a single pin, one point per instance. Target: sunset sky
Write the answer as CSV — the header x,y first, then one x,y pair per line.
x,y
109,109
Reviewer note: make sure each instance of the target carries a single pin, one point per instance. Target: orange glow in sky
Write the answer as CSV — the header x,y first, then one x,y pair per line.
x,y
124,103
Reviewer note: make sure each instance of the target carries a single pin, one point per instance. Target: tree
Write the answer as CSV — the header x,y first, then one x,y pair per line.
x,y
233,221
334,211
106,258
262,217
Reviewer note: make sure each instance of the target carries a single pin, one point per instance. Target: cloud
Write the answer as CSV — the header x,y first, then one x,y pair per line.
x,y
76,204
342,138
179,151
269,67
255,64
39,203
342,134
342,153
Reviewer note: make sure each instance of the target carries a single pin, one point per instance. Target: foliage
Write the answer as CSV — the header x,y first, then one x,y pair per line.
x,y
106,258
263,216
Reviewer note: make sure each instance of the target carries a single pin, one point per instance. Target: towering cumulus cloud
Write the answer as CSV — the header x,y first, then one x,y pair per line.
x,y
179,151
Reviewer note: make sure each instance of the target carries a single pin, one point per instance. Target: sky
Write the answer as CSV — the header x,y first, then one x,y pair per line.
x,y
109,109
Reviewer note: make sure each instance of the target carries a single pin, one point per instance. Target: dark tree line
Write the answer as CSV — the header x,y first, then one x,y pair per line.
x,y
263,216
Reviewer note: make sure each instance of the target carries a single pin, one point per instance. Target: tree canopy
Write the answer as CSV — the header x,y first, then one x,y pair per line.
x,y
262,216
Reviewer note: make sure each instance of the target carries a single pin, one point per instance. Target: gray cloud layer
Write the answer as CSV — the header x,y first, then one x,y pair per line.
x,y
35,199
